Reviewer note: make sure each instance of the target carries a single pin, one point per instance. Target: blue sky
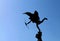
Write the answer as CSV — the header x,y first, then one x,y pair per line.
x,y
12,27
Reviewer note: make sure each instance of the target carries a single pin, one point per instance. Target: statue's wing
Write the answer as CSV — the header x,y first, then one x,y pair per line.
x,y
36,15
28,13
36,12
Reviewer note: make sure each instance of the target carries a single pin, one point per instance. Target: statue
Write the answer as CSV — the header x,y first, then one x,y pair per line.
x,y
34,17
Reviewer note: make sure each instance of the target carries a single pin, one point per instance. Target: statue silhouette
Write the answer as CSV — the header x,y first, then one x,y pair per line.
x,y
34,17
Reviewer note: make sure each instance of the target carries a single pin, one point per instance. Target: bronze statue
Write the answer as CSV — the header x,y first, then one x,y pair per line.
x,y
34,17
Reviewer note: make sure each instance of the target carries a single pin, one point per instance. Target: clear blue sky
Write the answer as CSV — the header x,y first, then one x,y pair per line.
x,y
12,27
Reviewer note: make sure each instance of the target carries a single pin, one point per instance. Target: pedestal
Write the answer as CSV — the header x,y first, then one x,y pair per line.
x,y
39,36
